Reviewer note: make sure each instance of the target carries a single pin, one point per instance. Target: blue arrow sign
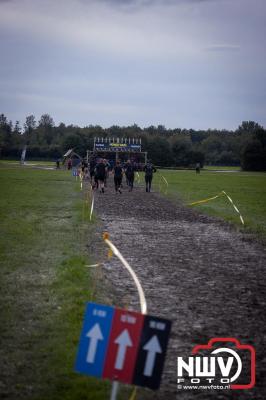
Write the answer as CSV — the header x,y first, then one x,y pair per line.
x,y
94,339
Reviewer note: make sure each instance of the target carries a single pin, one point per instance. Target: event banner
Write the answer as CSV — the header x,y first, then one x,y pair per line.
x,y
126,147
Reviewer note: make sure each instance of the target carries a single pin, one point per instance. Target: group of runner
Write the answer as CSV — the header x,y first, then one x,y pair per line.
x,y
100,169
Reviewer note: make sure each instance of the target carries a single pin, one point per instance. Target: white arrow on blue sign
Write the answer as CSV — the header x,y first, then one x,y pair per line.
x,y
94,339
95,334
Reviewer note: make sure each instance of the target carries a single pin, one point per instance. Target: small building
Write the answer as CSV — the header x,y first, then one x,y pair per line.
x,y
73,157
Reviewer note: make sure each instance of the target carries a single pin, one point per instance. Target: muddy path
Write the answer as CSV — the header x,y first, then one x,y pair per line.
x,y
195,270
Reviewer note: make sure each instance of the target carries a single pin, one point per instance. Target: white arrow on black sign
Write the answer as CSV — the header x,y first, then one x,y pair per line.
x,y
152,347
124,341
95,334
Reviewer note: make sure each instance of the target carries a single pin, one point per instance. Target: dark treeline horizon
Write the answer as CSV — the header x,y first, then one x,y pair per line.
x,y
245,146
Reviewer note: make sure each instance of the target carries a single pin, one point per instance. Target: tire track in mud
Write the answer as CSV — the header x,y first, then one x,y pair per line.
x,y
195,270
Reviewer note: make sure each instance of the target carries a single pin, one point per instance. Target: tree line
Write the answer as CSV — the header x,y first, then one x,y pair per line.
x,y
246,146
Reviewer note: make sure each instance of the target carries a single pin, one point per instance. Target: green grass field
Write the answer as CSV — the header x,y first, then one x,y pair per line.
x,y
44,284
247,190
43,163
220,168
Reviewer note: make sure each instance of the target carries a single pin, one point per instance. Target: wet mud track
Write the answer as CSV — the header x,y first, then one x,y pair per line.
x,y
200,272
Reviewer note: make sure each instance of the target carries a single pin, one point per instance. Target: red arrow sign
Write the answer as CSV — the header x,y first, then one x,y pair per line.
x,y
123,344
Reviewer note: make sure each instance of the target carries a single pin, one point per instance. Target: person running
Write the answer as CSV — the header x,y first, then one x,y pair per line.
x,y
130,174
107,169
100,171
118,175
92,170
149,169
84,168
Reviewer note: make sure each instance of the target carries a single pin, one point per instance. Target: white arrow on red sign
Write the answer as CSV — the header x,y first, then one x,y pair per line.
x,y
123,341
152,347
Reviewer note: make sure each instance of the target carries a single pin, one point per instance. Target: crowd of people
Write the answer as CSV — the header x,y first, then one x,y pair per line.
x,y
98,170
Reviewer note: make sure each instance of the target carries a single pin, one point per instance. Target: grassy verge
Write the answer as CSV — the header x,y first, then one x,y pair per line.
x,y
43,163
44,285
220,168
247,189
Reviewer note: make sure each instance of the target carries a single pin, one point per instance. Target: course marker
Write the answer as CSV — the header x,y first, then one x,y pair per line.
x,y
110,253
133,394
153,344
94,265
215,197
92,206
116,252
231,201
205,200
122,345
165,181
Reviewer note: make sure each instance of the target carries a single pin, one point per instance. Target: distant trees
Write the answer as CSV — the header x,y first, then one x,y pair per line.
x,y
74,141
166,147
30,124
221,149
46,121
5,129
249,127
17,128
253,156
29,128
5,134
11,139
195,157
159,150
45,128
181,148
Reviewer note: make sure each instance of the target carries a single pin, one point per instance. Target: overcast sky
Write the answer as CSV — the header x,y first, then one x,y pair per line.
x,y
181,63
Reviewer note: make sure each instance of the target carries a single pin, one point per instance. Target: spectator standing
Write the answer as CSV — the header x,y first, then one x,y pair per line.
x,y
198,168
69,164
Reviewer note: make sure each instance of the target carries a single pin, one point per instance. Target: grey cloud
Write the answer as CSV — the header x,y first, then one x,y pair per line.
x,y
223,48
123,61
141,3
